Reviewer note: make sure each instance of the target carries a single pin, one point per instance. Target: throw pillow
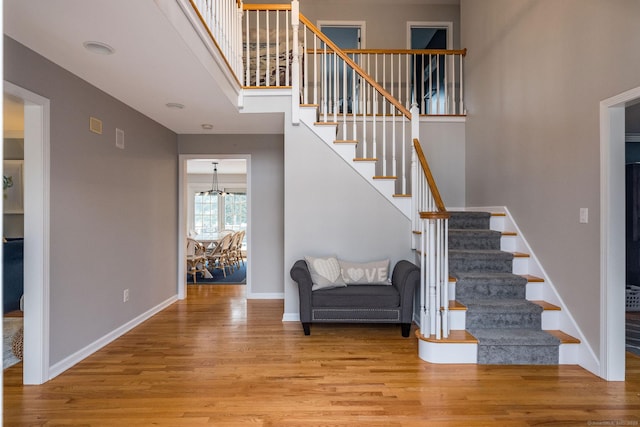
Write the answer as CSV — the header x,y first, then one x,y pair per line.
x,y
325,272
365,273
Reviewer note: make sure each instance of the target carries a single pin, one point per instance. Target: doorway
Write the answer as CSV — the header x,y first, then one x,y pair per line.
x,y
346,35
429,77
205,215
36,233
612,234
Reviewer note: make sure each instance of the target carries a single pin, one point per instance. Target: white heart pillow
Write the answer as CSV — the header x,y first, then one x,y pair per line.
x,y
325,272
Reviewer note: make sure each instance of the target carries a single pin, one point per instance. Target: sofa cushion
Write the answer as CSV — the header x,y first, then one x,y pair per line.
x,y
365,273
361,296
325,272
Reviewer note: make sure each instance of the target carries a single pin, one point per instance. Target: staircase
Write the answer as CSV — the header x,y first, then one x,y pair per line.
x,y
506,325
491,312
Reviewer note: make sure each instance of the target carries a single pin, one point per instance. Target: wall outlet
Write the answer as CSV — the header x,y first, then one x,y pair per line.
x,y
584,215
125,295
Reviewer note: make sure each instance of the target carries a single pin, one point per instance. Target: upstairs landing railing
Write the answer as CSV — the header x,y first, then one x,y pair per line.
x,y
274,46
432,78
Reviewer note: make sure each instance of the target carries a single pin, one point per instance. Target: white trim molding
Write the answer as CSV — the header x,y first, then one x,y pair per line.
x,y
448,25
36,233
612,234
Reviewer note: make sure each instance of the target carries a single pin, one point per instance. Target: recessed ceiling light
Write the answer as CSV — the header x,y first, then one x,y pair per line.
x,y
174,105
98,47
207,126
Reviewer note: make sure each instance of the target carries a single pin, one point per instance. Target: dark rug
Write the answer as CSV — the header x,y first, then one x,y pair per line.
x,y
238,276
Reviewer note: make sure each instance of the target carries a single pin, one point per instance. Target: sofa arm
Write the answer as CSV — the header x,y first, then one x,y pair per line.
x,y
300,273
406,278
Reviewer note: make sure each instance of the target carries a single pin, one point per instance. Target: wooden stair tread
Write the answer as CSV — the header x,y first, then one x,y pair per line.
x,y
520,255
509,233
563,337
531,278
345,141
326,123
309,105
498,214
385,177
456,336
455,305
365,159
546,305
402,195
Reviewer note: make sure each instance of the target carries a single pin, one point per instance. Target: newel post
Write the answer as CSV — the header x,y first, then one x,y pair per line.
x,y
415,193
295,65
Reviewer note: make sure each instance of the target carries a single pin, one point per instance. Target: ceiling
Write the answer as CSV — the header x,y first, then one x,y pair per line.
x,y
152,65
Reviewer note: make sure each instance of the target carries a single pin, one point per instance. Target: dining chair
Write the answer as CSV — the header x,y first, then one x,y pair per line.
x,y
196,258
219,257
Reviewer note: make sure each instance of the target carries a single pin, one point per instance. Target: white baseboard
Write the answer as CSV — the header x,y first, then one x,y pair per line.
x,y
87,351
266,295
291,317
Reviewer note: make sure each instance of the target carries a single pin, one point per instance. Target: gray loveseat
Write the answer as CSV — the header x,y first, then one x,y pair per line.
x,y
361,303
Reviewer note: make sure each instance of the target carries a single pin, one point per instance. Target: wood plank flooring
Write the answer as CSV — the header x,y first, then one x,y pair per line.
x,y
217,359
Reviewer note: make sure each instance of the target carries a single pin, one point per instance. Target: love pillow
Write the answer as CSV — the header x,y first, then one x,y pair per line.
x,y
365,273
325,272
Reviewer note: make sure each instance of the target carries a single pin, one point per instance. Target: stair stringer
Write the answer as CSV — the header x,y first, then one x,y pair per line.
x,y
308,116
581,353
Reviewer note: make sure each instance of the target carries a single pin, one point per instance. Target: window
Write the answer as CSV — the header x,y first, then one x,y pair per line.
x,y
205,215
235,211
213,213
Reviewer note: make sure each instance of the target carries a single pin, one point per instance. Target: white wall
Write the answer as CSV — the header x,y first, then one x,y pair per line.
x,y
535,74
113,212
330,209
266,193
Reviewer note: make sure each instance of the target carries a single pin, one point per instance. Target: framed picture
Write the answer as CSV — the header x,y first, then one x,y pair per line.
x,y
12,186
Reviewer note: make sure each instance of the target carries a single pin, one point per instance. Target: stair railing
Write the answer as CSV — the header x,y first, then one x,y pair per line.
x,y
433,220
364,112
223,21
432,77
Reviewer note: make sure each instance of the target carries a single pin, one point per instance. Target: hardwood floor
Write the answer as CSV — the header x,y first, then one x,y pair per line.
x,y
216,359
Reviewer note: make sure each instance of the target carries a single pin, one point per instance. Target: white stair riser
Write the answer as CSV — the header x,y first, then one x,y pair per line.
x,y
569,354
447,353
458,319
534,291
550,319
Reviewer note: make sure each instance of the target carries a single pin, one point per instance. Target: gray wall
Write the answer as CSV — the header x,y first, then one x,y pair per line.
x,y
536,71
386,21
113,212
331,209
266,199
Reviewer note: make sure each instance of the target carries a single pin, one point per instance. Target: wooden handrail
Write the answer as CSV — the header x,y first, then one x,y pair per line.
x,y
215,42
266,7
462,52
355,66
429,176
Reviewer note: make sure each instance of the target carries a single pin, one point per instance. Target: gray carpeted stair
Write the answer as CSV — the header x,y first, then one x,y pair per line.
x,y
507,326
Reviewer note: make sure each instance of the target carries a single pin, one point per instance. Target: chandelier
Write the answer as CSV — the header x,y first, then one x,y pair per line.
x,y
214,184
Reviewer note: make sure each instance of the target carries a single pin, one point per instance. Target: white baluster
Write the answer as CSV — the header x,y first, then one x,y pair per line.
x,y
324,81
247,75
295,72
